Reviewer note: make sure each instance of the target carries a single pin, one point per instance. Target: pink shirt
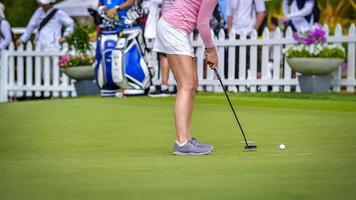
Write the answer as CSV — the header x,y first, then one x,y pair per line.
x,y
190,14
167,6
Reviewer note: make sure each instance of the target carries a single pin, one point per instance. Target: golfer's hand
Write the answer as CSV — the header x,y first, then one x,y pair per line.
x,y
211,58
18,42
112,13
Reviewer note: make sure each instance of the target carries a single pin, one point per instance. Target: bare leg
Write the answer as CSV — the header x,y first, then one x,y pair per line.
x,y
185,72
164,70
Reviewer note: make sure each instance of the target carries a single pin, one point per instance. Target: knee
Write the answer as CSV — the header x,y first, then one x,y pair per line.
x,y
189,86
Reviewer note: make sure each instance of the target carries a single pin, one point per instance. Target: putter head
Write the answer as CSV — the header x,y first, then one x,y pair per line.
x,y
251,147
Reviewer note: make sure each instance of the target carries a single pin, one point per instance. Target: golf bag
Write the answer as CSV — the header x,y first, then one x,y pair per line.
x,y
119,65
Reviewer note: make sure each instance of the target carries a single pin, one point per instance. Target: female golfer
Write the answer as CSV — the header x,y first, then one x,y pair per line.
x,y
172,38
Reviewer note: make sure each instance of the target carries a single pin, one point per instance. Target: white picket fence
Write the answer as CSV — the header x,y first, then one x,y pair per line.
x,y
30,73
25,72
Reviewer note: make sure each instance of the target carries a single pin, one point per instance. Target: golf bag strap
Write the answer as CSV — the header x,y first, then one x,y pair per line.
x,y
46,20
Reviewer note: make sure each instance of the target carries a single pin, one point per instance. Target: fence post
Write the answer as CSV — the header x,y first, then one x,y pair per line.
x,y
200,62
11,70
29,69
242,63
287,69
38,70
265,60
351,59
55,73
4,76
338,33
252,72
221,55
46,75
209,73
231,62
20,72
277,51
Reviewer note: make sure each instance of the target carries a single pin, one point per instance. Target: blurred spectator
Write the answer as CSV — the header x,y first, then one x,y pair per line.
x,y
115,8
163,90
5,30
244,16
272,31
223,6
152,18
47,22
273,26
218,21
300,14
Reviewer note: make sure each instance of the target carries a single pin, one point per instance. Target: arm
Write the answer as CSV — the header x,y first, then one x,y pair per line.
x,y
66,21
260,17
229,24
229,13
261,13
6,33
31,26
203,26
307,10
113,11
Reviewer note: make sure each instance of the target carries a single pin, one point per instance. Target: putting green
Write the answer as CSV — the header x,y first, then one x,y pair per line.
x,y
108,148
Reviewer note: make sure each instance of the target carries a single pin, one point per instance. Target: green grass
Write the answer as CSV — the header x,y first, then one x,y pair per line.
x,y
106,148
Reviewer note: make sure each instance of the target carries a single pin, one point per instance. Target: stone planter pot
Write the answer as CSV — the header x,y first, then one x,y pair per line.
x,y
316,73
84,76
315,66
79,73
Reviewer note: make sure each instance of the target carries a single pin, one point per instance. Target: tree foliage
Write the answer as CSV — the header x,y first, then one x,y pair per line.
x,y
19,12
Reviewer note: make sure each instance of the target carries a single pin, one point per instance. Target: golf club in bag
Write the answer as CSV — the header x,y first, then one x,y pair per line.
x,y
119,64
248,147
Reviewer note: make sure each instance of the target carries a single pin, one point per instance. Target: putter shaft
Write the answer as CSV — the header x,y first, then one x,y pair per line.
x,y
231,106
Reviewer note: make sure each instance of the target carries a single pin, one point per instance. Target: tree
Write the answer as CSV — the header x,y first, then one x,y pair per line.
x,y
19,12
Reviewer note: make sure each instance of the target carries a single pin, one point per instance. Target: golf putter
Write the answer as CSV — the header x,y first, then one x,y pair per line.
x,y
248,147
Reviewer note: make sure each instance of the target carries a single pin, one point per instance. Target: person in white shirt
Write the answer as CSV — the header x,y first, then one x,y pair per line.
x,y
49,37
244,16
300,14
5,30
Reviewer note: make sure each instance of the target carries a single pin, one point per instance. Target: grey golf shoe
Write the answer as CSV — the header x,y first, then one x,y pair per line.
x,y
190,149
199,144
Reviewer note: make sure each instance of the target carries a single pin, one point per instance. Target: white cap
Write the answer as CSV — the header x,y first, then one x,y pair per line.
x,y
46,2
2,8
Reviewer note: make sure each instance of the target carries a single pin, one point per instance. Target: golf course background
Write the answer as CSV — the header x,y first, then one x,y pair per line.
x,y
109,148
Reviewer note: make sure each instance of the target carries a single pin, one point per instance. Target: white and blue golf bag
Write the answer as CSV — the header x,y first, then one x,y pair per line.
x,y
120,66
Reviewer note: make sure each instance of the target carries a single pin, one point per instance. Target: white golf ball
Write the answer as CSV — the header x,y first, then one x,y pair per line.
x,y
282,146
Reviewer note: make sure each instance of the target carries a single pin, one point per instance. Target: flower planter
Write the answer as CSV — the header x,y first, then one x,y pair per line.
x,y
79,73
315,66
84,76
316,73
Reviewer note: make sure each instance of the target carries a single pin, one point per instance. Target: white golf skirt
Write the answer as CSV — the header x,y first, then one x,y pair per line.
x,y
170,40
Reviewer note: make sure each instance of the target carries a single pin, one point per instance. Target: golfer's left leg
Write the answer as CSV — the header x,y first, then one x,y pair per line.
x,y
185,73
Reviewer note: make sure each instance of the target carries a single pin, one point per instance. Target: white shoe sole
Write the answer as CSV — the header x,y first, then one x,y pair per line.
x,y
177,153
159,95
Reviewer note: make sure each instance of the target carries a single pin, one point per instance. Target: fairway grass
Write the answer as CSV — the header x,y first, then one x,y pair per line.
x,y
108,148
